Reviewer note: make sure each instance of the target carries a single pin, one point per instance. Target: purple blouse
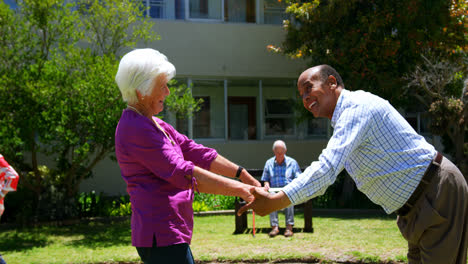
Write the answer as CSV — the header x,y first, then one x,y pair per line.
x,y
154,170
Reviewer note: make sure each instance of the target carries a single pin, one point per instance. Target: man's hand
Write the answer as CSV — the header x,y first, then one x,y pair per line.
x,y
265,203
246,178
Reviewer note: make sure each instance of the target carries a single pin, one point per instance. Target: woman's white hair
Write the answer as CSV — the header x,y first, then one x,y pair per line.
x,y
137,71
279,143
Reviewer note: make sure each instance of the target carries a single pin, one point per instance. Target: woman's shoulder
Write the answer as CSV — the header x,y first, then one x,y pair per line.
x,y
132,124
166,126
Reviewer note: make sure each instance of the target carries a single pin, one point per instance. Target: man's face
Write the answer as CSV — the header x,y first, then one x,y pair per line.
x,y
318,97
279,153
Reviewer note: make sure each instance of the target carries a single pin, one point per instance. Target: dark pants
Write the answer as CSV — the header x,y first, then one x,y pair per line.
x,y
174,254
436,227
2,261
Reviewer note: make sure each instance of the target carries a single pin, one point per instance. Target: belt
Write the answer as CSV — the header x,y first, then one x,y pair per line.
x,y
426,179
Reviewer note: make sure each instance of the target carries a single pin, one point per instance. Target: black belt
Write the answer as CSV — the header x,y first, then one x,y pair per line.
x,y
426,179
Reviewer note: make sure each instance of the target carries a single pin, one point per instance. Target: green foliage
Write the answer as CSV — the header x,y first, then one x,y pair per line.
x,y
180,100
374,43
92,205
58,93
438,83
122,210
212,202
200,206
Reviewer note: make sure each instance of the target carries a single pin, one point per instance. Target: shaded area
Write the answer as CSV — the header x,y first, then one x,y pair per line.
x,y
92,234
22,242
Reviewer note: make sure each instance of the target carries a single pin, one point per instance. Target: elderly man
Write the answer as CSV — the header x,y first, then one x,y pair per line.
x,y
393,165
279,171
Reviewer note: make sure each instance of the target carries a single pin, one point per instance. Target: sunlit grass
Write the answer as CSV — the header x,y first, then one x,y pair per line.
x,y
367,238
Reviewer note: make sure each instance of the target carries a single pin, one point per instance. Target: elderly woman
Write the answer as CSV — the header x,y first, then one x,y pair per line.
x,y
163,168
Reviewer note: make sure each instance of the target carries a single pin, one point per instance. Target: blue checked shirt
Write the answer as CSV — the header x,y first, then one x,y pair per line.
x,y
376,145
280,175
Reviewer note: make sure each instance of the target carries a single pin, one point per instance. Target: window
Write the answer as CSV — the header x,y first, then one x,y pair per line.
x,y
210,121
317,127
164,9
279,117
206,9
157,8
239,11
274,12
202,120
421,122
242,117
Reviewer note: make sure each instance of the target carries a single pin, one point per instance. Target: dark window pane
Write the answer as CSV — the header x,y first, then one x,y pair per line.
x,y
279,126
278,107
239,11
317,127
201,120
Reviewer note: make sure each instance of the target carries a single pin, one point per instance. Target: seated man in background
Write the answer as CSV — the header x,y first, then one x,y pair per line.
x,y
278,172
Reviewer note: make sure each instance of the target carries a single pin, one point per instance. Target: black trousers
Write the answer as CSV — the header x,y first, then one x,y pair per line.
x,y
174,254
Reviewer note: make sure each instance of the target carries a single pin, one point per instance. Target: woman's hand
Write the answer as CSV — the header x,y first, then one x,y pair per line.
x,y
246,194
246,178
265,203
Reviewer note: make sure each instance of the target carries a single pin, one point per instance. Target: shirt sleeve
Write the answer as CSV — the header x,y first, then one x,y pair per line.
x,y
153,151
197,153
266,172
349,132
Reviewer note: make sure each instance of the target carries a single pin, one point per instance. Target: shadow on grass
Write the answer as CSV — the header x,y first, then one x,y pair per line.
x,y
90,235
96,235
24,241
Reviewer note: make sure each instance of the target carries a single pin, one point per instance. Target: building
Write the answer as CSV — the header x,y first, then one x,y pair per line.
x,y
219,50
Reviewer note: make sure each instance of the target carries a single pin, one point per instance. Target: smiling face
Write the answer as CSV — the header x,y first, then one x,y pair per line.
x,y
319,97
153,103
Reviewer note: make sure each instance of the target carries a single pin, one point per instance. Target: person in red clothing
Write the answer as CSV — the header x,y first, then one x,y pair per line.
x,y
8,182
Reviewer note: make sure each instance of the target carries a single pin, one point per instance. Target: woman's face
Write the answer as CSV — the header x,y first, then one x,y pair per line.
x,y
155,100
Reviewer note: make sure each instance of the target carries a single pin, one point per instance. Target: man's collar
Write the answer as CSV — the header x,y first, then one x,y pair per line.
x,y
284,161
338,109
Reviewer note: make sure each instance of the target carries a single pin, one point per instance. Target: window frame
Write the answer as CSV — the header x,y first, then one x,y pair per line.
x,y
278,116
187,14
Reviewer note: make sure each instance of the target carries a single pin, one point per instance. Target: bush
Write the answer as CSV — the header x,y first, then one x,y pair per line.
x,y
214,202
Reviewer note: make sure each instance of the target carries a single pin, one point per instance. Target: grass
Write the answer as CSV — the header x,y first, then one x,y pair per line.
x,y
336,238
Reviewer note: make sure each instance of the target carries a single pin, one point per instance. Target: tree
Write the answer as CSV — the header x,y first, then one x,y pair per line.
x,y
58,93
440,85
373,43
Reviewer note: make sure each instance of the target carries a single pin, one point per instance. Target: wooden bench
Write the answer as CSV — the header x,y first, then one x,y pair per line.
x,y
241,221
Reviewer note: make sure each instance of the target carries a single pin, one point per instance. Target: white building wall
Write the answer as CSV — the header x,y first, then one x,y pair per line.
x,y
224,50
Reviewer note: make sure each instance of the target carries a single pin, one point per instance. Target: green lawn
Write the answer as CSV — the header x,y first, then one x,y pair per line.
x,y
366,238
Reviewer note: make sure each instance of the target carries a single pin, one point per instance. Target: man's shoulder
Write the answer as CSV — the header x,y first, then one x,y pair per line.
x,y
362,98
363,102
290,160
270,160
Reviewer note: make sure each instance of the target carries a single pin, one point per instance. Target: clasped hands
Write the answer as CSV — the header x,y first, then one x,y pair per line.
x,y
263,202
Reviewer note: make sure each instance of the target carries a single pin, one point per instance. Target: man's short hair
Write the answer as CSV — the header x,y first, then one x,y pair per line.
x,y
279,143
327,70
